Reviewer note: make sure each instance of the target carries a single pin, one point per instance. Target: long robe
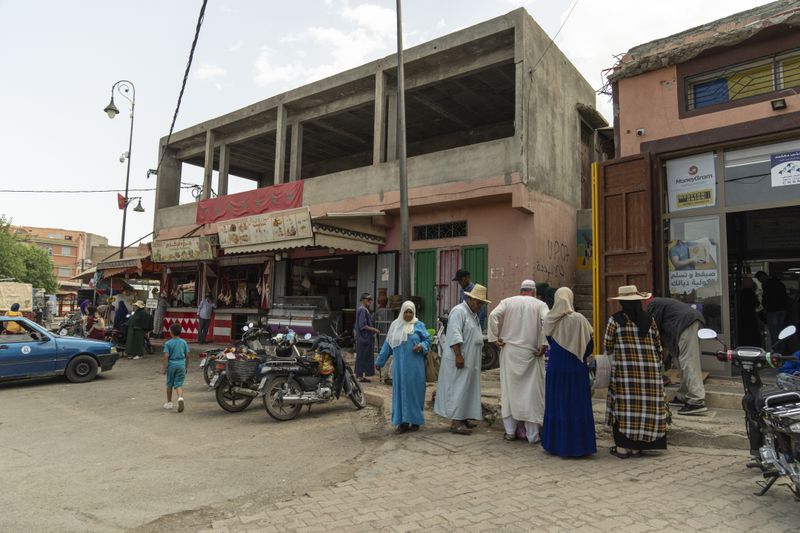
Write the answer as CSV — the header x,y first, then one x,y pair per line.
x,y
137,327
158,316
568,428
408,376
518,321
365,343
458,391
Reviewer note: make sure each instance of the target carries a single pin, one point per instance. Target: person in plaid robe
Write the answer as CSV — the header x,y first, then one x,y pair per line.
x,y
635,409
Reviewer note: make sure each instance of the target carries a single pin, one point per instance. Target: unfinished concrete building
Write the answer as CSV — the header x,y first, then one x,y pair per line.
x,y
495,131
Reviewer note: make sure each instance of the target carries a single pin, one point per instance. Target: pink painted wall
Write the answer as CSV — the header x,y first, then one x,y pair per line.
x,y
650,101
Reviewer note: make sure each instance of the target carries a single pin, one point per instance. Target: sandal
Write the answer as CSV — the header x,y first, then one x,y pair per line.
x,y
626,455
413,427
363,380
402,428
470,425
509,437
460,430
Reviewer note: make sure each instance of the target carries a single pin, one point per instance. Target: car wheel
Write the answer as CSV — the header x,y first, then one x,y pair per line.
x,y
81,369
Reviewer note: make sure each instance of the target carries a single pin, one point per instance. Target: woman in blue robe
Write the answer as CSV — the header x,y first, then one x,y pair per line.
x,y
568,428
408,342
364,333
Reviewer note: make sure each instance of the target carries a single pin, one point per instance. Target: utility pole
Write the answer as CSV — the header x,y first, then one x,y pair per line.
x,y
405,252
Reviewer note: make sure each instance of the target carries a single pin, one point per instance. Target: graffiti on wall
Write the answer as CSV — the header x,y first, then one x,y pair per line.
x,y
555,267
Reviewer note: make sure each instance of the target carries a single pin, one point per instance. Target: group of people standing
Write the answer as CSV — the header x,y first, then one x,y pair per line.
x,y
545,381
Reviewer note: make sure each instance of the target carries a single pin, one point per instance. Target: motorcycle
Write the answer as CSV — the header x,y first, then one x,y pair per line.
x,y
71,326
240,378
772,416
490,355
253,339
296,380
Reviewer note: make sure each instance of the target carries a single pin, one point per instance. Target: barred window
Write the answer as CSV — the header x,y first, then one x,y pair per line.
x,y
741,81
445,230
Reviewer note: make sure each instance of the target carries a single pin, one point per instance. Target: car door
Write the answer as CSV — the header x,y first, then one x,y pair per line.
x,y
21,355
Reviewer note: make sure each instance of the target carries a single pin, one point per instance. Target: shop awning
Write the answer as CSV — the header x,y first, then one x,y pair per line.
x,y
192,230
270,246
345,243
128,262
353,233
86,275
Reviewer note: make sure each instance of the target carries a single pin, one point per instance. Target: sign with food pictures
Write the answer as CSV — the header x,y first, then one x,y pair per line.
x,y
189,249
691,182
785,168
270,227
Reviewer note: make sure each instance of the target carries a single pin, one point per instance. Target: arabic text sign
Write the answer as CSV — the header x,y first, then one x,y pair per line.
x,y
190,249
785,168
270,227
691,182
688,281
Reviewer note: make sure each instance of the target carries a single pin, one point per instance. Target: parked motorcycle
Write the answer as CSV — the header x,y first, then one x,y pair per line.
x,y
297,380
71,326
772,416
490,355
253,339
240,376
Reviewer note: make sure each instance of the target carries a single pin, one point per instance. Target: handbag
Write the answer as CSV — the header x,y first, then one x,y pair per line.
x,y
432,363
599,370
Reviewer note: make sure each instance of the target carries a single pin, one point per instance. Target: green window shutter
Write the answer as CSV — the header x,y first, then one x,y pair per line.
x,y
475,260
425,284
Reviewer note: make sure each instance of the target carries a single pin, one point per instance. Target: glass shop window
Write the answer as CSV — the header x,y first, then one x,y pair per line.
x,y
763,174
183,292
239,287
693,272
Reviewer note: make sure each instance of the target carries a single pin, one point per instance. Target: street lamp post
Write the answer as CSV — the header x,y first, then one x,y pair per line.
x,y
405,253
124,87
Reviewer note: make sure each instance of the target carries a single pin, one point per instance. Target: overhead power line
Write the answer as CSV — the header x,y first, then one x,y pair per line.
x,y
555,36
84,191
185,78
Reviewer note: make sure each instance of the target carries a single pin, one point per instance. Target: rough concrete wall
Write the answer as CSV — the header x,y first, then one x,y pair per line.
x,y
171,217
477,161
551,124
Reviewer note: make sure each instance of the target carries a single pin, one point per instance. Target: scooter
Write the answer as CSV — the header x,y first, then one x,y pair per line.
x,y
772,416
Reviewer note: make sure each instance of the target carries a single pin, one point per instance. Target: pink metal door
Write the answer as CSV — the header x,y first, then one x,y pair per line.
x,y
447,293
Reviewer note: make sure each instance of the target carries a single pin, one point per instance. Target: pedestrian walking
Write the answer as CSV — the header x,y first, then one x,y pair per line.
x,y
204,313
160,313
174,365
365,340
139,323
635,407
677,325
458,391
515,326
407,342
568,428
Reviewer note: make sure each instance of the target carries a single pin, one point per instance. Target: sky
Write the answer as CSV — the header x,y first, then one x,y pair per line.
x,y
59,60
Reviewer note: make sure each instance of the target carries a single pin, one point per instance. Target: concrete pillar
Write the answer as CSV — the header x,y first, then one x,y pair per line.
x,y
391,125
168,186
379,131
280,144
296,157
208,170
224,167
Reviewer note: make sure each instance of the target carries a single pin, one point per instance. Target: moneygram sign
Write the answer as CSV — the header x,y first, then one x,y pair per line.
x,y
691,182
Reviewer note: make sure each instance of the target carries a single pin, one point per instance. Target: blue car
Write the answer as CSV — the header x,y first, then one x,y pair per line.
x,y
27,350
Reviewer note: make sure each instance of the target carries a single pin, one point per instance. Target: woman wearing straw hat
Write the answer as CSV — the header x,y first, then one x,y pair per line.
x,y
458,391
635,408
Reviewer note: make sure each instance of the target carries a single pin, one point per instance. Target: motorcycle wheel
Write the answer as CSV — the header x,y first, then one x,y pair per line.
x,y
489,356
356,393
209,371
276,387
229,400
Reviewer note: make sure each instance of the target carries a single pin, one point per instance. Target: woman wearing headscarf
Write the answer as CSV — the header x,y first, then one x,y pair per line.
x,y
568,428
407,341
139,323
12,327
635,408
160,313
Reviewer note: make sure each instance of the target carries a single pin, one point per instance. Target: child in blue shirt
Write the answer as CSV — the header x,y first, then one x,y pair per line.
x,y
174,365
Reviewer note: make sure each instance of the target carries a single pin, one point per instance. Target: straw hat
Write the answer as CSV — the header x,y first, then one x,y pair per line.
x,y
479,293
139,304
630,292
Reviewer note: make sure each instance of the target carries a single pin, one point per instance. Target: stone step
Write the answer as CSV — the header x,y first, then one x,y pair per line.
x,y
582,290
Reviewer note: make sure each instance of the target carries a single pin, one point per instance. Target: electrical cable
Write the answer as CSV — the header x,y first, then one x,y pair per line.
x,y
552,41
35,191
183,85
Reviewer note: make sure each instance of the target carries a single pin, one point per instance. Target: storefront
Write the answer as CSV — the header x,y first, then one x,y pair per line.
x,y
727,214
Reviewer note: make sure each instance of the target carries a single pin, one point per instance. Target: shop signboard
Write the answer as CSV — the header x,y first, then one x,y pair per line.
x,y
189,249
288,225
785,168
691,182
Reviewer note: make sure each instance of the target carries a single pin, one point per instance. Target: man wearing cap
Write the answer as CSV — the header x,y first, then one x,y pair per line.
x,y
515,326
678,324
458,391
463,279
365,340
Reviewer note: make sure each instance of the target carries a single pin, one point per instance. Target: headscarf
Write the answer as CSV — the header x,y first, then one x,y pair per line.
x,y
84,305
568,328
634,310
399,330
15,307
121,315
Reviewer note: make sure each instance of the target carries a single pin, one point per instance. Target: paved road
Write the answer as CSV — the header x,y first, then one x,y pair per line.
x,y
104,456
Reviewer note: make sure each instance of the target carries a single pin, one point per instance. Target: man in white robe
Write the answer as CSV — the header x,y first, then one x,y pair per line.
x,y
515,326
458,391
